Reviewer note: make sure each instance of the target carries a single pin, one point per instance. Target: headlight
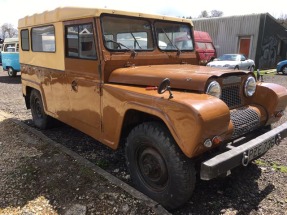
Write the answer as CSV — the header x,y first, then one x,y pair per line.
x,y
250,86
214,89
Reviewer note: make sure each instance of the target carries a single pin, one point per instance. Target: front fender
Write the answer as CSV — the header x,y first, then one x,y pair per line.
x,y
272,97
190,117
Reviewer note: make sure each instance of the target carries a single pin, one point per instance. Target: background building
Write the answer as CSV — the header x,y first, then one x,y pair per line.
x,y
258,36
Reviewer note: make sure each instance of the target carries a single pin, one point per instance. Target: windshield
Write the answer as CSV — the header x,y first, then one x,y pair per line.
x,y
205,46
229,57
173,36
121,33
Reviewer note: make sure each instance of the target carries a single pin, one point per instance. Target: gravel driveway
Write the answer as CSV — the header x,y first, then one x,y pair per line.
x,y
258,189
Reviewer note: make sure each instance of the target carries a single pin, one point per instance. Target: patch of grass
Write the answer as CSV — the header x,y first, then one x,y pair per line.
x,y
260,163
102,163
275,166
269,72
279,168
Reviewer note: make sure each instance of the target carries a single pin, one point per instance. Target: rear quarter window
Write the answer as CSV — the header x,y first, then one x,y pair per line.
x,y
43,39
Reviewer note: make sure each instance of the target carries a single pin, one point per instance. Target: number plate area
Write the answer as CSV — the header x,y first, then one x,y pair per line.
x,y
261,148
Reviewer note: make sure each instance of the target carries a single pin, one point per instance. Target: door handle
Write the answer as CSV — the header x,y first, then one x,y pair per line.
x,y
74,86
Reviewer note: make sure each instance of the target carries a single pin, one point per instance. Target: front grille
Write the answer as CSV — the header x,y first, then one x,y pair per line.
x,y
244,120
231,95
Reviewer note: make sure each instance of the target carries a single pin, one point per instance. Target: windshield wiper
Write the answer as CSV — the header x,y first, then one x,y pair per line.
x,y
178,50
120,44
136,40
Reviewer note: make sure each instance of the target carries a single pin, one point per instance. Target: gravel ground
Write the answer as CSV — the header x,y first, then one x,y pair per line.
x,y
258,189
29,185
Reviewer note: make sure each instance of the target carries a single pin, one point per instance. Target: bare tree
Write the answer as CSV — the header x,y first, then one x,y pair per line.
x,y
216,13
8,31
204,14
283,20
213,13
188,17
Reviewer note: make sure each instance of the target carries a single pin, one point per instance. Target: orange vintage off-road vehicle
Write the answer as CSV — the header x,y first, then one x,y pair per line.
x,y
119,77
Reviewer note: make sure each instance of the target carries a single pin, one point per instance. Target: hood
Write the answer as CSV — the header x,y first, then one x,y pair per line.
x,y
182,76
222,63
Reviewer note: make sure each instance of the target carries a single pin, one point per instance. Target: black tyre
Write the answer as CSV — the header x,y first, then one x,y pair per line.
x,y
157,166
40,118
284,70
12,72
236,68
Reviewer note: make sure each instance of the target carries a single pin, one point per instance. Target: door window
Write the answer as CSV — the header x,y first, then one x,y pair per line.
x,y
80,42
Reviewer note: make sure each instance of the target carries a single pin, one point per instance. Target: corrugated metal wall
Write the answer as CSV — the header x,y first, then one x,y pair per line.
x,y
226,32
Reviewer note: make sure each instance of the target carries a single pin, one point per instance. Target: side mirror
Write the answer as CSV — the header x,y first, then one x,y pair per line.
x,y
164,86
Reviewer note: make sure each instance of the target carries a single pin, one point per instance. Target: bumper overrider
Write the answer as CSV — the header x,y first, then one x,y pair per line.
x,y
242,154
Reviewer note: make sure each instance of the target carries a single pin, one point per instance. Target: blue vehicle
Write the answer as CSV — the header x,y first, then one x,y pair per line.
x,y
282,67
0,54
10,56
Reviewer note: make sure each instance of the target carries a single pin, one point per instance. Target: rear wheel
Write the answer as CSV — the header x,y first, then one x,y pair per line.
x,y
12,72
40,118
157,166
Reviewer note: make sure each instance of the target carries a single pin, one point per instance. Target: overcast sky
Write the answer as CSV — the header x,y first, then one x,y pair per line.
x,y
12,10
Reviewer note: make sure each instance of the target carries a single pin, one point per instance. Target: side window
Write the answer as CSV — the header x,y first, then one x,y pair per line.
x,y
10,47
43,39
25,40
200,45
80,41
209,46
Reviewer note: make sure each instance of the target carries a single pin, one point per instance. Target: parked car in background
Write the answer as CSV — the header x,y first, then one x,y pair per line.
x,y
10,56
0,53
282,67
233,61
204,48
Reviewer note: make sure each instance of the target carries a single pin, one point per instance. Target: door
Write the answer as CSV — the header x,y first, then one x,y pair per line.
x,y
83,76
244,46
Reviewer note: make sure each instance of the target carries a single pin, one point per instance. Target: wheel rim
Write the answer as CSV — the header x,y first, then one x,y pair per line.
x,y
284,70
38,108
152,168
10,72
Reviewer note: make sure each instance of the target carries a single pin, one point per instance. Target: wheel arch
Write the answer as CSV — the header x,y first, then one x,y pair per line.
x,y
134,117
27,89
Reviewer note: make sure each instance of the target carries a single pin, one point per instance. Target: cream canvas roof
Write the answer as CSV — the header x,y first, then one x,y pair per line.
x,y
70,13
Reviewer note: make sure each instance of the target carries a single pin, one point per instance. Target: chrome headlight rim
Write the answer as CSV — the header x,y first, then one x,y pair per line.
x,y
213,89
250,86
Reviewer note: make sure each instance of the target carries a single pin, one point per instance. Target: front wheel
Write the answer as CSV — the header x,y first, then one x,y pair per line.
x,y
284,70
12,72
40,118
157,166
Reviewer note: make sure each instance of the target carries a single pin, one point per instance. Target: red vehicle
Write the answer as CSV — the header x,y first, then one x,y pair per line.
x,y
204,47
